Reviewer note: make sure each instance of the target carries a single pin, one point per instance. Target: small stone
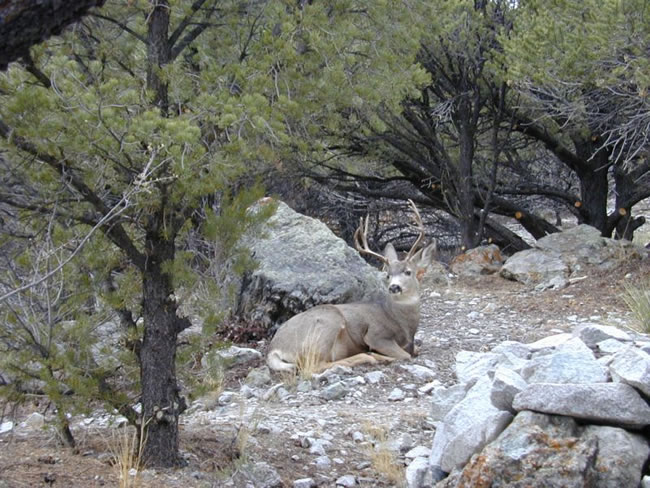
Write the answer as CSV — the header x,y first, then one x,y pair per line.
x,y
6,426
374,377
396,395
258,377
347,480
304,483
323,462
420,372
334,391
357,436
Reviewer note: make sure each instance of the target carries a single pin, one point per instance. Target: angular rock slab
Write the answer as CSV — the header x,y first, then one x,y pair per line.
x,y
467,428
538,450
534,266
609,403
632,366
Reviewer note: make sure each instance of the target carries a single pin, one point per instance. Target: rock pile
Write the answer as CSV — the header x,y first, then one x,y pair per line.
x,y
569,409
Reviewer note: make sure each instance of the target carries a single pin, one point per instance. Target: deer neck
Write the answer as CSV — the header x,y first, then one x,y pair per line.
x,y
404,312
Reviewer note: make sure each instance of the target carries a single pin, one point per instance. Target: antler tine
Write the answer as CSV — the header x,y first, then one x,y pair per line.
x,y
361,240
418,221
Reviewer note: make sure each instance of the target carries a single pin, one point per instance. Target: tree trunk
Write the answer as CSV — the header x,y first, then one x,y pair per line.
x,y
24,23
161,401
594,186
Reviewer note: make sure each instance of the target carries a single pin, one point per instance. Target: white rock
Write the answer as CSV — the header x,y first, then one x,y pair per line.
x,y
418,474
467,428
323,462
396,395
304,483
632,366
420,372
444,399
374,377
505,385
549,342
6,426
610,346
347,480
471,365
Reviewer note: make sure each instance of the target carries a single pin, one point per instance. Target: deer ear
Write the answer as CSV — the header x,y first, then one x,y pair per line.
x,y
390,253
420,273
425,256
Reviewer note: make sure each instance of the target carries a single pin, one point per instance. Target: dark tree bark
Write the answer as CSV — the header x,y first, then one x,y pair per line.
x,y
24,23
161,400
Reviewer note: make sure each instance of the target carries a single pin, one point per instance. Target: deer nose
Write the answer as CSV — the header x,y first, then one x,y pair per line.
x,y
394,289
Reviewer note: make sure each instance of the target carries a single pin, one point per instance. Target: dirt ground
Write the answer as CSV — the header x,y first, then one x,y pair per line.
x,y
218,440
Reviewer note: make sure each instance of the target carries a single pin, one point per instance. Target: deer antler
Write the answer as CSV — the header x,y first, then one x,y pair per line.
x,y
361,240
420,225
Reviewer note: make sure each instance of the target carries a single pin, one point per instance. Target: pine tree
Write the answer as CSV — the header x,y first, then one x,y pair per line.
x,y
125,127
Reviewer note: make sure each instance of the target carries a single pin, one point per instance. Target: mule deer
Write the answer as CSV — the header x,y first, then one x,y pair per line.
x,y
358,333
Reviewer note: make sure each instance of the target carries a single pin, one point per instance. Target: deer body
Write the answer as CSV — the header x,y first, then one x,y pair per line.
x,y
356,333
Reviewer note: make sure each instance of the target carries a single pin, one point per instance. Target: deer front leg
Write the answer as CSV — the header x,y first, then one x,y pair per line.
x,y
387,347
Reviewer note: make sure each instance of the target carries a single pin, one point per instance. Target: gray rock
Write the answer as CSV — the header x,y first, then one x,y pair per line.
x,y
374,377
418,474
471,365
323,462
402,444
556,452
592,334
304,483
609,403
396,395
347,480
234,356
335,391
572,362
259,475
505,385
632,366
550,342
420,372
301,263
319,446
467,428
6,426
247,392
258,377
621,456
444,399
610,346
534,267
645,482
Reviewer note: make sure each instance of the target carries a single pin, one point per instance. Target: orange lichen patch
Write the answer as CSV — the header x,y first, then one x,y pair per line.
x,y
477,473
578,204
519,215
622,211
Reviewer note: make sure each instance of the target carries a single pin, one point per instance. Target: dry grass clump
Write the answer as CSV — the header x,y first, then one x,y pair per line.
x,y
126,447
637,298
308,361
383,460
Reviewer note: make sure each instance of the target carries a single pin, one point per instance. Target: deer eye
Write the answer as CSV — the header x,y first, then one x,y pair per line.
x,y
407,272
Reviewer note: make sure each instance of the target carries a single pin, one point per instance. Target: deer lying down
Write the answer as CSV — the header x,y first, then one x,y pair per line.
x,y
358,333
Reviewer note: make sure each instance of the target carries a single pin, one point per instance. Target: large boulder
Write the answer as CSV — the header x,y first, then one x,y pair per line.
x,y
556,257
301,263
